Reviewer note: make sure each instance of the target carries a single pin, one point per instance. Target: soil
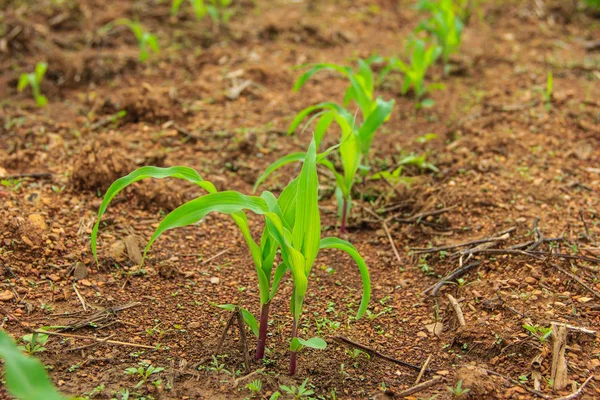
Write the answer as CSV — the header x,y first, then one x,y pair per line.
x,y
505,160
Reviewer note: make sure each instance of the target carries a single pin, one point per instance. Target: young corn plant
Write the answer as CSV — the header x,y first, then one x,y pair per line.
x,y
146,41
217,9
34,79
355,142
292,221
422,57
25,377
444,24
374,111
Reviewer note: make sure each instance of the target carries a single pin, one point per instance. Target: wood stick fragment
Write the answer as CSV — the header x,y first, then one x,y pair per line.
x,y
387,232
242,329
425,365
419,387
578,392
502,236
458,272
559,362
214,257
459,314
81,300
376,353
516,382
101,340
577,279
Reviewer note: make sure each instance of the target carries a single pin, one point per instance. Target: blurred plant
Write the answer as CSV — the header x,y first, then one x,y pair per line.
x,y
143,372
146,41
25,377
458,390
299,392
217,9
422,56
539,332
444,24
34,79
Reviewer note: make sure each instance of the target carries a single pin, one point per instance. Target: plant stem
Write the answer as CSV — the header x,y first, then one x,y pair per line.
x,y
344,216
262,331
294,354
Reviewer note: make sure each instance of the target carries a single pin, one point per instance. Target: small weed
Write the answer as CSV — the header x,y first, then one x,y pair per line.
x,y
144,372
458,390
539,332
299,392
34,343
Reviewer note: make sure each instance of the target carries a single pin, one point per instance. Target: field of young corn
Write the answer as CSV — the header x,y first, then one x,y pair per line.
x,y
246,199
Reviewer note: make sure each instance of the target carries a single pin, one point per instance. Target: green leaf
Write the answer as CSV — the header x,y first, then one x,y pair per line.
x,y
40,71
335,243
23,82
184,173
25,377
382,111
247,315
316,68
314,343
290,158
175,7
193,211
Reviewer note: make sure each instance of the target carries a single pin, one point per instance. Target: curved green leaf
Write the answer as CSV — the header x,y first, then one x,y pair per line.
x,y
193,211
185,173
314,343
288,159
316,68
249,319
335,243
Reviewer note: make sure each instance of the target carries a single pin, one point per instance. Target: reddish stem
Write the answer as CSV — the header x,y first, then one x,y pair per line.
x,y
294,354
344,216
262,331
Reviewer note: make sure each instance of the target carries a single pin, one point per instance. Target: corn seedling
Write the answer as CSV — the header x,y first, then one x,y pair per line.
x,y
25,377
422,56
292,223
361,90
34,79
217,9
143,372
444,24
146,41
354,145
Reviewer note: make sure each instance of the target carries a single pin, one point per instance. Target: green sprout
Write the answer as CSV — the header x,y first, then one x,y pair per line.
x,y
25,377
299,392
361,91
458,390
217,9
143,373
34,343
422,57
356,139
146,41
255,387
443,24
292,223
539,332
34,79
549,90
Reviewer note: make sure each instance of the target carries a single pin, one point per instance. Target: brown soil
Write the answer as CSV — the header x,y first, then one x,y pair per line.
x,y
504,161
